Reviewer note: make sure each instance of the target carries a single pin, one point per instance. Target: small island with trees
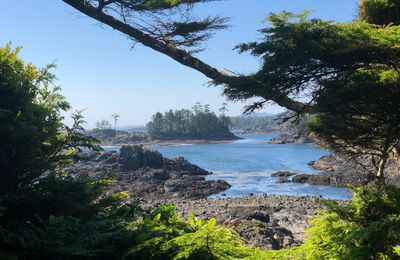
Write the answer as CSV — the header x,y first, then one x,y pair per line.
x,y
199,123
196,125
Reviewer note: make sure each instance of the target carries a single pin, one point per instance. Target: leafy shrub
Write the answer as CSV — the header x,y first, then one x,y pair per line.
x,y
381,12
366,228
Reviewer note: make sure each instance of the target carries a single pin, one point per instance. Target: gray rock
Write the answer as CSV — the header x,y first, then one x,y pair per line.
x,y
339,171
152,159
301,178
260,215
283,180
112,159
104,156
283,174
130,157
160,174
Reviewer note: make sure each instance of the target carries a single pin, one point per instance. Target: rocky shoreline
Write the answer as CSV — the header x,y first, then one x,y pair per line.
x,y
268,221
339,172
145,173
291,138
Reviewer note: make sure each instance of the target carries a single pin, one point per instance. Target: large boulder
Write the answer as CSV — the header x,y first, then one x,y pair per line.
x,y
152,159
131,157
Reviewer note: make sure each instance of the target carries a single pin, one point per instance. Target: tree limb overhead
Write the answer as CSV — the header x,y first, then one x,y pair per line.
x,y
120,15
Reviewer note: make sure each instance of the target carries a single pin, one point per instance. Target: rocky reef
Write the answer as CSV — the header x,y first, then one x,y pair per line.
x,y
340,172
291,138
146,173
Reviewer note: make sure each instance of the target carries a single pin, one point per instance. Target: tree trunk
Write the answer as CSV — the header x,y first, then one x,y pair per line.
x,y
381,169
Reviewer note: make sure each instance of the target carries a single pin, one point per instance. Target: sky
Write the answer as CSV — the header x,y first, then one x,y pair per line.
x,y
101,72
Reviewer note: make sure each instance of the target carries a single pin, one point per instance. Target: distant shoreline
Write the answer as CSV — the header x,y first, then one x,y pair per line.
x,y
256,132
174,142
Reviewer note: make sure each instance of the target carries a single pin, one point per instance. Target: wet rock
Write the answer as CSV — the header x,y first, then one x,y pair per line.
x,y
301,178
283,180
283,174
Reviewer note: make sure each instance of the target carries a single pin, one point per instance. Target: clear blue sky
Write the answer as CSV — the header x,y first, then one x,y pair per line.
x,y
99,72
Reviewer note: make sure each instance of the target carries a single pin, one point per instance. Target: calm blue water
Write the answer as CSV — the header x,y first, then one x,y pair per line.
x,y
247,165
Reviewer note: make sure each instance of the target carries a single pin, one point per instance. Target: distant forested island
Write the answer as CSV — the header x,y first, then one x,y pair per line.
x,y
196,123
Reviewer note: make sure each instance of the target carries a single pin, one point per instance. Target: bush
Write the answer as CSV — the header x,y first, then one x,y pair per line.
x,y
381,12
366,228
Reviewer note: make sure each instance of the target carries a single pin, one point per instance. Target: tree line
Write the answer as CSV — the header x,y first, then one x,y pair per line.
x,y
198,123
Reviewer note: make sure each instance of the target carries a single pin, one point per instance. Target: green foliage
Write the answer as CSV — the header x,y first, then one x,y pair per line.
x,y
359,114
208,242
42,208
171,238
64,218
33,136
104,127
158,227
158,5
366,228
348,71
29,119
48,214
169,22
198,123
305,55
381,12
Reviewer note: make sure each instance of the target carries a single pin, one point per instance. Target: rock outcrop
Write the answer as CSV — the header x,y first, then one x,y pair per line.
x,y
283,174
337,171
291,138
146,173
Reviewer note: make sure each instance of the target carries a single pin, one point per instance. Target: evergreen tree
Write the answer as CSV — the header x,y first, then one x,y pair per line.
x,y
105,128
200,123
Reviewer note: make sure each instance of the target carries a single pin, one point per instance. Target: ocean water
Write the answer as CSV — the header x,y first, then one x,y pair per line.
x,y
247,165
